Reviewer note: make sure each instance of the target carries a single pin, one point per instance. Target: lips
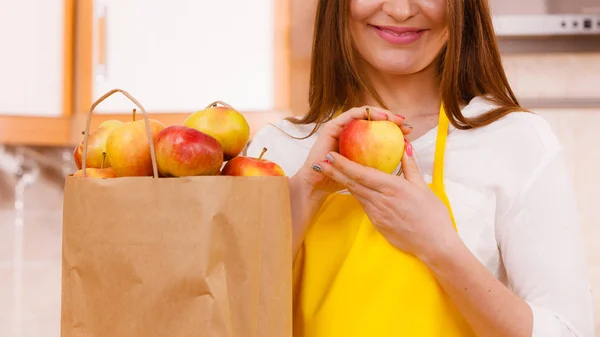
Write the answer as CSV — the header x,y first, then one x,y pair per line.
x,y
399,31
399,35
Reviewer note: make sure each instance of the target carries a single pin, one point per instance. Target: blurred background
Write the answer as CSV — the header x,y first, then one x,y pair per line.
x,y
178,56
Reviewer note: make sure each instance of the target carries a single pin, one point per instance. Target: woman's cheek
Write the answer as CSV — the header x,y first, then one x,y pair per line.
x,y
435,11
363,9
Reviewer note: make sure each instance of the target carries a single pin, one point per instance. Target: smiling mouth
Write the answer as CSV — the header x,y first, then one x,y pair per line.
x,y
396,33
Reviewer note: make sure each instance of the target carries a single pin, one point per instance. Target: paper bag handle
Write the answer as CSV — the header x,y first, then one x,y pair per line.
x,y
147,122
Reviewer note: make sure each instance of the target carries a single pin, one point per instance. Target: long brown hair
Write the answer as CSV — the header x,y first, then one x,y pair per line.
x,y
469,65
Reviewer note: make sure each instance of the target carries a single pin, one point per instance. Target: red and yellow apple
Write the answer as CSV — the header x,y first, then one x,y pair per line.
x,y
223,123
376,144
252,167
107,172
128,148
182,151
96,146
95,172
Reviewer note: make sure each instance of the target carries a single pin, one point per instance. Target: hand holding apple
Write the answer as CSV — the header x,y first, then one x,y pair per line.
x,y
309,175
374,143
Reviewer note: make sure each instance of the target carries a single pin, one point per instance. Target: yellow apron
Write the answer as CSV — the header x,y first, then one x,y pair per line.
x,y
349,281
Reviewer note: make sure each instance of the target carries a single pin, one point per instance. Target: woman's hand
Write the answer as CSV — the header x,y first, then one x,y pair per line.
x,y
309,188
404,209
327,141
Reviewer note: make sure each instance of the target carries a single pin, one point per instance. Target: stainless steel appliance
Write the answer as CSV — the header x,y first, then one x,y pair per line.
x,y
531,18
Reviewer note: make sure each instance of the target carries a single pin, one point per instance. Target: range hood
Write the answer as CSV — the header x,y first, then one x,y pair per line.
x,y
531,18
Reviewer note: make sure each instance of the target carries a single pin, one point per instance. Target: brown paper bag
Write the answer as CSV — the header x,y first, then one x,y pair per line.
x,y
176,257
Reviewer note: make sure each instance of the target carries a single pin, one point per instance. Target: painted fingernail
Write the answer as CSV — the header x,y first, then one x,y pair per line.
x,y
400,116
409,150
329,158
384,115
316,167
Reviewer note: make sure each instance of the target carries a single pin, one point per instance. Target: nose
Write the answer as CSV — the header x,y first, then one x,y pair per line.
x,y
400,10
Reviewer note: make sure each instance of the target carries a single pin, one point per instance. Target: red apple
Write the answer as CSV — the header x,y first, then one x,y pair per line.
x,y
128,148
225,124
252,167
96,145
376,144
101,172
107,172
182,151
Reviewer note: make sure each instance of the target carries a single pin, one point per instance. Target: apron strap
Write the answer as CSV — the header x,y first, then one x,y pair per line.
x,y
437,183
440,149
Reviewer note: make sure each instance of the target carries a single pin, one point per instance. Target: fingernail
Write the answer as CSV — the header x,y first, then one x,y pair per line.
x,y
401,117
408,125
384,115
316,167
409,150
329,158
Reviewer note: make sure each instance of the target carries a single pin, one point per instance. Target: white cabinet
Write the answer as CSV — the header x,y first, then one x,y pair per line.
x,y
178,56
32,68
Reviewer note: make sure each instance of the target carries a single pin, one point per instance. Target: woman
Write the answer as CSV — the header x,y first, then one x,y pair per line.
x,y
488,214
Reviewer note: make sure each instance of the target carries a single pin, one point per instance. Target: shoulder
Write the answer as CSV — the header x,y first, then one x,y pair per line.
x,y
519,134
287,144
506,157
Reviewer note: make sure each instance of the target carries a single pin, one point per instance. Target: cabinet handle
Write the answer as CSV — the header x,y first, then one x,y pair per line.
x,y
101,67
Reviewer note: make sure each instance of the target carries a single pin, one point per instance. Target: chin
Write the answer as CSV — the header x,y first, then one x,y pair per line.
x,y
399,65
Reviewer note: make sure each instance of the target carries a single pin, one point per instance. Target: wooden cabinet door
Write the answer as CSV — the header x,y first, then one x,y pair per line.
x,y
35,61
178,56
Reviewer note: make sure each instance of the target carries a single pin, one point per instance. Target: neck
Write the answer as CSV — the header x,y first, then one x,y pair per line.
x,y
412,96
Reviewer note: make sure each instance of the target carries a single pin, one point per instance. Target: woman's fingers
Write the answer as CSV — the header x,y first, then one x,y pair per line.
x,y
406,128
411,169
336,125
361,175
328,170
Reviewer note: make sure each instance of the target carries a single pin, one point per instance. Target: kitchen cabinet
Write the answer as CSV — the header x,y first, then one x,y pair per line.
x,y
178,56
175,57
35,62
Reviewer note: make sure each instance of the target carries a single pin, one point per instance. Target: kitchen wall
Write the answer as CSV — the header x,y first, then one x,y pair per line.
x,y
555,77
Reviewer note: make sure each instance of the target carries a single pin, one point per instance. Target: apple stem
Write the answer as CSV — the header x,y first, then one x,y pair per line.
x,y
134,111
103,160
262,153
216,103
368,115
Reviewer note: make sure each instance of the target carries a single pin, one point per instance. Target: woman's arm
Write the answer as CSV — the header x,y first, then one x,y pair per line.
x,y
543,255
488,306
538,235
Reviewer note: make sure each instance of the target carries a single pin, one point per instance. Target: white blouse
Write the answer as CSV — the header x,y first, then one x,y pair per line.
x,y
514,206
